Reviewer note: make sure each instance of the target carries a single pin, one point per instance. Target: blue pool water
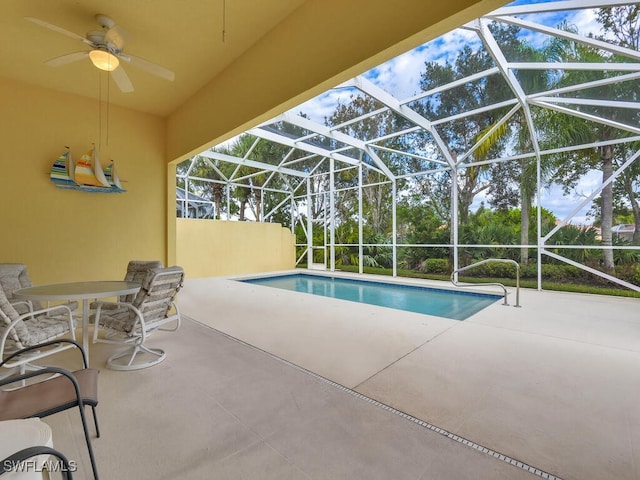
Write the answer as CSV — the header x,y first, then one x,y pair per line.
x,y
430,301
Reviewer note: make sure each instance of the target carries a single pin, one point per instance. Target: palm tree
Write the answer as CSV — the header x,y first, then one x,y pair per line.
x,y
562,130
524,173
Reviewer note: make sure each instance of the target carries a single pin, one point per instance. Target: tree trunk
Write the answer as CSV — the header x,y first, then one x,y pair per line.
x,y
374,197
243,205
217,199
258,211
636,219
465,194
635,206
606,214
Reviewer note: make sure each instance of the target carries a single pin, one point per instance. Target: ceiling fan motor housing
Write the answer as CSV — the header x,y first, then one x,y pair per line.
x,y
104,21
96,37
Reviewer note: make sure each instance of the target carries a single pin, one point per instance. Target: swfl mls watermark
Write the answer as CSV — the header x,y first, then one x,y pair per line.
x,y
39,466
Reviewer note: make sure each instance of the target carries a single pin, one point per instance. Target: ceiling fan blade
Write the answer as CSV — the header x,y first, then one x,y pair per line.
x,y
69,58
55,28
117,37
148,66
122,80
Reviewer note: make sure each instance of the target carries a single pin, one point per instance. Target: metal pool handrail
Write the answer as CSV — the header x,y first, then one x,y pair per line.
x,y
501,260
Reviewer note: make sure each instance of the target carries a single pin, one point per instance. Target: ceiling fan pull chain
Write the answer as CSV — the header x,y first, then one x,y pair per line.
x,y
99,110
108,109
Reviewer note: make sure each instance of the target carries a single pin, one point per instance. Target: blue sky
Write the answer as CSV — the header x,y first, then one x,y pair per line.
x,y
400,76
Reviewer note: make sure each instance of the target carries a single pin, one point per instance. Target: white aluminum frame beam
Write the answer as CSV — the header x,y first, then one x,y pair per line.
x,y
335,135
289,142
252,163
556,32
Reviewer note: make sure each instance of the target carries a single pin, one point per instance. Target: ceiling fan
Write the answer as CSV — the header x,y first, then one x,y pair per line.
x,y
106,52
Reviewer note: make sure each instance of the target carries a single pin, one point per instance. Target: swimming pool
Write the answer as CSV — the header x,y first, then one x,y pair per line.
x,y
426,300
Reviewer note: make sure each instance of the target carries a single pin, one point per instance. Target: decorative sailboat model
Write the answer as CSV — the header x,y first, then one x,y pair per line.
x,y
86,175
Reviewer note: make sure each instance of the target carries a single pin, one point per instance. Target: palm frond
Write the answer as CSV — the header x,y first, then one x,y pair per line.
x,y
491,138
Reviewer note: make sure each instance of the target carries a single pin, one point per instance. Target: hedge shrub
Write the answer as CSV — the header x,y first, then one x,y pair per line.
x,y
436,265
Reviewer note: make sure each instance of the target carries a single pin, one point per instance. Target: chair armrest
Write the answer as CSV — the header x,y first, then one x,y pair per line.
x,y
47,344
116,306
12,462
21,302
99,306
111,307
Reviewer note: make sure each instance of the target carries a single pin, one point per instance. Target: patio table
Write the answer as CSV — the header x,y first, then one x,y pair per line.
x,y
84,291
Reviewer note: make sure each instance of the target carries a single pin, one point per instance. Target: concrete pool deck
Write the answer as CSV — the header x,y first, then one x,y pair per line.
x,y
554,384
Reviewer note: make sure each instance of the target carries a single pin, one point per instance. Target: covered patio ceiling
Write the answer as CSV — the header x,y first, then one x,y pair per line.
x,y
422,140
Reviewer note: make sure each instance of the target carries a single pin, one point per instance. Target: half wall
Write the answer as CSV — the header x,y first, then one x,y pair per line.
x,y
209,248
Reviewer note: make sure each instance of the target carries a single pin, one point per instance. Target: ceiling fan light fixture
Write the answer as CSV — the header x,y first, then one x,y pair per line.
x,y
104,60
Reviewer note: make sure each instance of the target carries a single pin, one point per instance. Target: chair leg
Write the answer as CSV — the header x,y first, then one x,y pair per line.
x,y
95,421
131,353
88,440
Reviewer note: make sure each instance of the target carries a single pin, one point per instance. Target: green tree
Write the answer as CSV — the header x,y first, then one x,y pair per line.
x,y
460,136
516,183
250,182
622,26
206,178
421,225
377,199
562,130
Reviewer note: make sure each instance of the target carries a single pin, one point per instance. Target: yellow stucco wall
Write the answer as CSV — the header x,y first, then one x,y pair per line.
x,y
68,235
208,248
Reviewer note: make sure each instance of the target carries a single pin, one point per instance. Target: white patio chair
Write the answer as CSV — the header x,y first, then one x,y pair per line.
x,y
32,328
136,271
152,309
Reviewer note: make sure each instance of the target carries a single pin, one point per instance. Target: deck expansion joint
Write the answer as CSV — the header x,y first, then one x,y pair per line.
x,y
434,428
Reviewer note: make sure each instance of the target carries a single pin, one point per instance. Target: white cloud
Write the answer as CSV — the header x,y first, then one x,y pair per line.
x,y
400,76
322,106
586,21
562,205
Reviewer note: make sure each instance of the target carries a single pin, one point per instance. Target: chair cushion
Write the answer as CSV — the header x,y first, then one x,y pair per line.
x,y
121,320
136,272
159,288
12,277
42,329
20,333
137,269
